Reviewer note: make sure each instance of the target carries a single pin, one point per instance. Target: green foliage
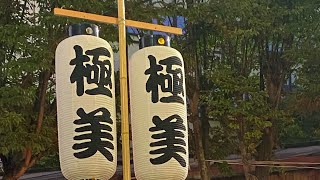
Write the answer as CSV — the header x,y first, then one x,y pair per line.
x,y
239,106
25,56
29,34
49,162
224,168
302,128
242,53
304,100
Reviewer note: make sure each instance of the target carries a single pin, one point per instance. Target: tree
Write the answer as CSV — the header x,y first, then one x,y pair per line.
x,y
279,43
193,95
252,36
29,35
241,110
26,93
302,96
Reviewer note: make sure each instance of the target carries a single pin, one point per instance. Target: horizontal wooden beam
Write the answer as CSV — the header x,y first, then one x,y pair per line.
x,y
113,20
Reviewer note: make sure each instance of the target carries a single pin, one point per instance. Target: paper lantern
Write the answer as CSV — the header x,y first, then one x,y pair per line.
x,y
158,114
86,108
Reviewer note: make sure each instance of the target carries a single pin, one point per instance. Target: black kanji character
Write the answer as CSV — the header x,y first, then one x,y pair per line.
x,y
99,73
171,82
173,139
79,70
98,133
154,78
104,78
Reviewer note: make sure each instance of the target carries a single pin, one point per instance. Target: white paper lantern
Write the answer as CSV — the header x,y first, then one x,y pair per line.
x,y
86,108
158,114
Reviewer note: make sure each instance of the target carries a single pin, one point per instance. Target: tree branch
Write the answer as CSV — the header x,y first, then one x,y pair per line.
x,y
44,78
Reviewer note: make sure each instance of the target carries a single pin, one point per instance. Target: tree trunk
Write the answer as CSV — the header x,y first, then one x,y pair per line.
x,y
245,163
246,156
199,150
14,170
9,177
8,172
205,130
14,176
197,135
265,153
41,98
8,167
274,82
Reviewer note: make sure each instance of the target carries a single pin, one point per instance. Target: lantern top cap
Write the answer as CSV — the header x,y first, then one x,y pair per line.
x,y
154,40
83,29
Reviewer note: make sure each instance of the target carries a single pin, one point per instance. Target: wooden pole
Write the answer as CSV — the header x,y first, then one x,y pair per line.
x,y
124,92
123,65
113,20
